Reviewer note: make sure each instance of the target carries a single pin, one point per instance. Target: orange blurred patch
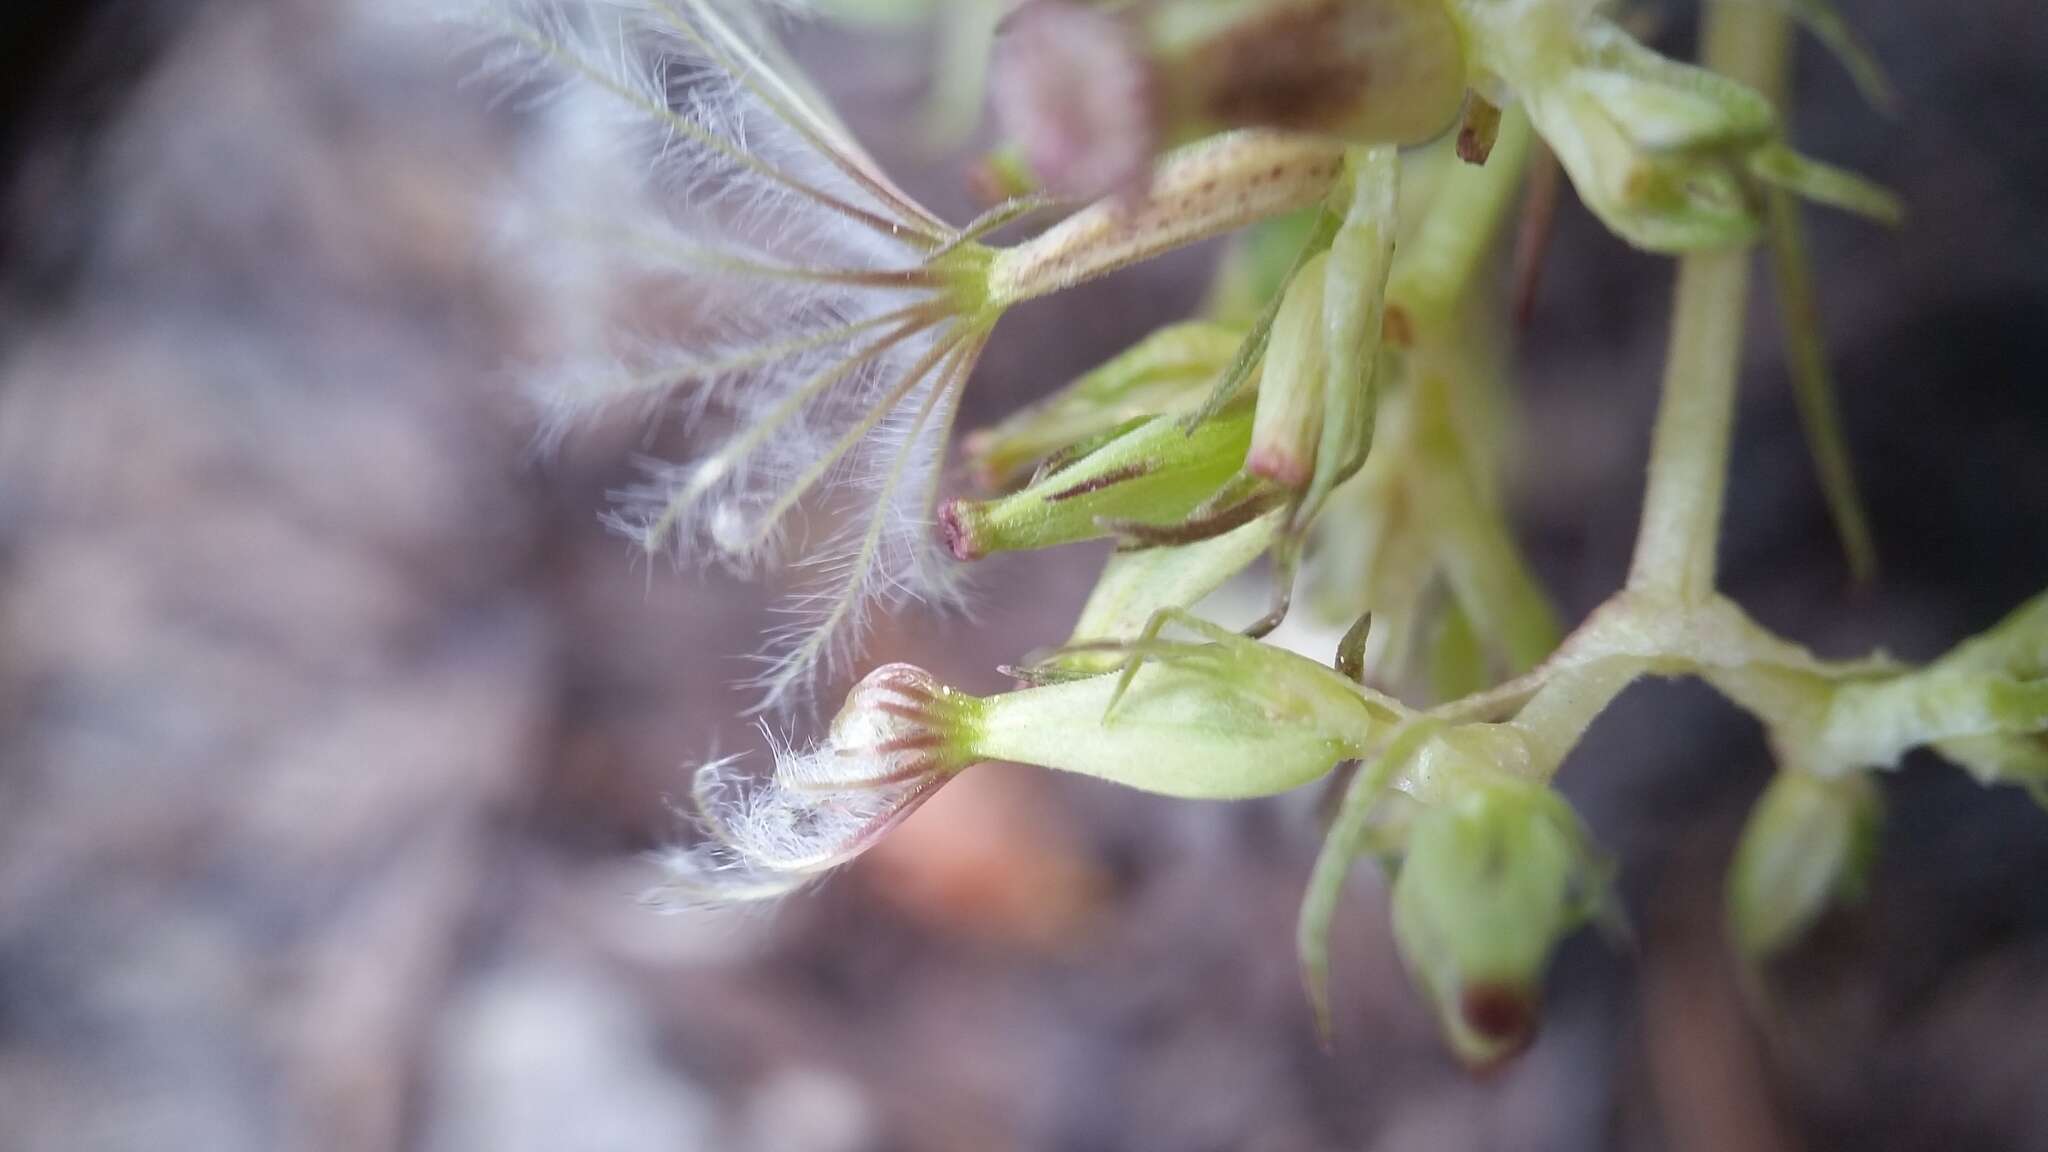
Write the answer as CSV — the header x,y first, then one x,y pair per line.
x,y
988,858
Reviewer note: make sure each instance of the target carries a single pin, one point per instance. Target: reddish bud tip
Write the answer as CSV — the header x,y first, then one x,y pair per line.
x,y
1288,469
953,530
1501,1015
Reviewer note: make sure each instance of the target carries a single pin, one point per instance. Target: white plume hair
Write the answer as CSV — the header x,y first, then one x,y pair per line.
x,y
762,838
770,282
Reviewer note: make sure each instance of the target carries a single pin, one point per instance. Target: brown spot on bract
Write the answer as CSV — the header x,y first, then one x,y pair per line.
x,y
1294,67
1478,130
1397,327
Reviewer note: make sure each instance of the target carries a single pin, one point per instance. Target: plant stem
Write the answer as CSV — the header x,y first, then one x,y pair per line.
x,y
1681,525
1557,716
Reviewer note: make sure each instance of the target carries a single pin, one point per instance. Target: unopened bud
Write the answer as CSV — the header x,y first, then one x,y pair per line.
x,y
1493,879
1240,719
1157,475
1668,156
1660,200
1809,842
1289,422
1166,373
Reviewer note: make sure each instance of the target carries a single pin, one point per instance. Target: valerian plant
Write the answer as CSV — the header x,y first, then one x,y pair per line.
x,y
1337,406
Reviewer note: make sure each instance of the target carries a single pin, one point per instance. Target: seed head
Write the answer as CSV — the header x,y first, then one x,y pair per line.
x,y
831,321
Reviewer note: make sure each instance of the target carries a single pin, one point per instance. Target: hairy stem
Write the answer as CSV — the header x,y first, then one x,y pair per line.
x,y
1681,525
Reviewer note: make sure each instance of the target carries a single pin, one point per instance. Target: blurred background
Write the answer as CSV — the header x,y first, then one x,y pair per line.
x,y
333,727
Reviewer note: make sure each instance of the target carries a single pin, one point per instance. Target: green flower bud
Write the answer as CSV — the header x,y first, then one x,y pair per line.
x,y
1651,156
1213,721
1494,877
1810,841
1670,157
1166,373
1156,474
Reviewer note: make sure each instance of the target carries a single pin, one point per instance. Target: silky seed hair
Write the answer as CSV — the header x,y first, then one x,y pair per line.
x,y
784,299
764,837
759,837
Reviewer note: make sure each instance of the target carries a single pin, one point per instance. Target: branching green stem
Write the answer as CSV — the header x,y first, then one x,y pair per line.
x,y
1671,580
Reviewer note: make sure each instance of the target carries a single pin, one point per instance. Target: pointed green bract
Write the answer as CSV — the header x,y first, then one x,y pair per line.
x,y
1457,659
1137,585
1354,303
1341,848
1820,18
1813,385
